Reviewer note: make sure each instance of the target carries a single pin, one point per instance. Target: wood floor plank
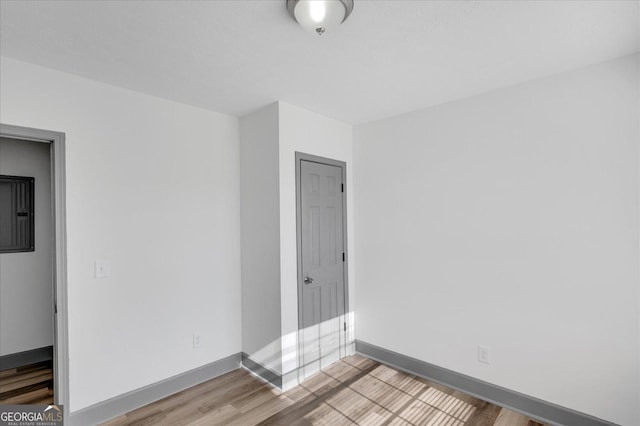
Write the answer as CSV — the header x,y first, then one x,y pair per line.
x,y
22,382
8,373
182,415
449,404
213,388
118,421
417,413
360,361
147,412
400,380
27,398
25,376
485,415
155,418
321,387
511,418
218,416
211,394
341,371
381,393
320,382
325,415
399,421
353,391
358,408
25,369
29,384
297,393
255,399
262,412
192,410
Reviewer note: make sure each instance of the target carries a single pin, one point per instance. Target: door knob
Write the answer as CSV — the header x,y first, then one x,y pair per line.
x,y
308,280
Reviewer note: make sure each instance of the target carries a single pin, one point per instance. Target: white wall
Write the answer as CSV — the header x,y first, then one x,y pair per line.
x,y
26,286
304,131
260,237
152,186
270,138
510,219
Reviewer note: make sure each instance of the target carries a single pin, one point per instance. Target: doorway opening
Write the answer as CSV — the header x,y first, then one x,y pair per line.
x,y
34,357
323,303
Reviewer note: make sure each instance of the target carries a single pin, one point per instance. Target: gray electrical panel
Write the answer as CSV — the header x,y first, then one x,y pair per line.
x,y
16,214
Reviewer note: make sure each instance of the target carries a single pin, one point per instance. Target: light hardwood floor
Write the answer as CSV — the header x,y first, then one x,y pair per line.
x,y
353,391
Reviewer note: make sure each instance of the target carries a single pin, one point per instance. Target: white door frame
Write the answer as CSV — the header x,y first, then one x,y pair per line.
x,y
58,186
343,330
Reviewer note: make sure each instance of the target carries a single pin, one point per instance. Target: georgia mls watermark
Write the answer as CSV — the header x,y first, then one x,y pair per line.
x,y
31,415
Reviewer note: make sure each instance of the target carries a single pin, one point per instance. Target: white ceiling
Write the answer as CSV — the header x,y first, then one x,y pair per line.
x,y
388,58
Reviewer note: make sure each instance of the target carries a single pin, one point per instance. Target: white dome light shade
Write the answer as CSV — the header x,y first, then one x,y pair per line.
x,y
318,16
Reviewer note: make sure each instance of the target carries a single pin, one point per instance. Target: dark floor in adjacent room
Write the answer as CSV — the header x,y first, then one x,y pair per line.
x,y
31,384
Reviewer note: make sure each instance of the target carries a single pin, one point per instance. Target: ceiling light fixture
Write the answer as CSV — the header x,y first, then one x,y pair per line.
x,y
319,15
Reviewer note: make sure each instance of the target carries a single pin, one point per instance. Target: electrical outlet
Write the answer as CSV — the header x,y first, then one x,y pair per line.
x,y
484,354
196,340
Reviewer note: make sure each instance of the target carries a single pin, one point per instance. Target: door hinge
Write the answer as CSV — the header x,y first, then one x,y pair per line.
x,y
342,187
345,326
343,257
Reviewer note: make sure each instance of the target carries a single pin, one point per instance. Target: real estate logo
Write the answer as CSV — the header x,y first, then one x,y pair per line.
x,y
31,415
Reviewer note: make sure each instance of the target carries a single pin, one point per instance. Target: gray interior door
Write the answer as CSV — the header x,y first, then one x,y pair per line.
x,y
322,265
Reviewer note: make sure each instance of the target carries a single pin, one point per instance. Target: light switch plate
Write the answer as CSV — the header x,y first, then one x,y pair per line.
x,y
102,268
